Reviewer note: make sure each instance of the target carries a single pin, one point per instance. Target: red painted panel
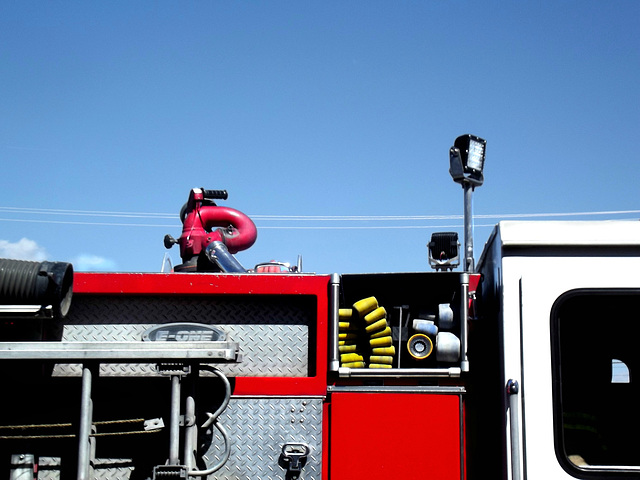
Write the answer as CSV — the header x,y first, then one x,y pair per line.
x,y
395,435
198,283
231,284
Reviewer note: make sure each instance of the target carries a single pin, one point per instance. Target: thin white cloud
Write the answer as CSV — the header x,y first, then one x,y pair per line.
x,y
93,263
23,249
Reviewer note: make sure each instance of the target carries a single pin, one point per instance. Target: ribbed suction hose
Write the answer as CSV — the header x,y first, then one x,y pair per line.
x,y
36,283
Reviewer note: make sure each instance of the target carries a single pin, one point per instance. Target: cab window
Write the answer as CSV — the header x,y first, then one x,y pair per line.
x,y
595,335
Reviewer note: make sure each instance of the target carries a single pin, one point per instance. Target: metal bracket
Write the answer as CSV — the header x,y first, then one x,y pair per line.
x,y
153,424
169,471
293,458
170,369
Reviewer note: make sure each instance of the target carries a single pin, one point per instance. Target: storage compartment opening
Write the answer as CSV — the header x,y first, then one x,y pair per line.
x,y
392,322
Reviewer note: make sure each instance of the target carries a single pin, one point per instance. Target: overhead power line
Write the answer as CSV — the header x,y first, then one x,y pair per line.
x,y
55,211
23,212
262,227
70,222
85,213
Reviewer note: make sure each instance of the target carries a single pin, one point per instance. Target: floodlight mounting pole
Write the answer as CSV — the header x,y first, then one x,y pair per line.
x,y
468,227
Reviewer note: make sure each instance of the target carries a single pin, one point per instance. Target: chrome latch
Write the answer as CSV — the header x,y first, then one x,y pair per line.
x,y
293,458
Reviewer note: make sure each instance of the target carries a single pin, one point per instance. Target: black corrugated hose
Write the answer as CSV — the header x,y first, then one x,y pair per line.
x,y
36,283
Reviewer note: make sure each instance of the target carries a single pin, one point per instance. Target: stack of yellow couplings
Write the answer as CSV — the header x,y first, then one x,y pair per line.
x,y
373,325
350,355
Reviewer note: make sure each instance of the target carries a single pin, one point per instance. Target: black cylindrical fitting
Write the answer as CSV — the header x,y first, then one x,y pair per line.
x,y
36,283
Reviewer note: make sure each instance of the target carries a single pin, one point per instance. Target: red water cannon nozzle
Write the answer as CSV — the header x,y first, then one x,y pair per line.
x,y
211,234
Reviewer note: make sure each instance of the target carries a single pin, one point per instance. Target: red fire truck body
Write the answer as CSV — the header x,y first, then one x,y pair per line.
x,y
525,369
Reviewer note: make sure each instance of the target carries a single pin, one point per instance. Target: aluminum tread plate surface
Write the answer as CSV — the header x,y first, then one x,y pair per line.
x,y
102,468
272,331
259,428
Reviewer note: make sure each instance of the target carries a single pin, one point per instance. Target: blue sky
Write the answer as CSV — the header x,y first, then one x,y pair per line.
x,y
308,109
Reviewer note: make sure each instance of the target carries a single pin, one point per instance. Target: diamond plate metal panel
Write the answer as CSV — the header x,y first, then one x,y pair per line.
x,y
267,350
273,331
102,468
48,468
112,468
258,428
212,309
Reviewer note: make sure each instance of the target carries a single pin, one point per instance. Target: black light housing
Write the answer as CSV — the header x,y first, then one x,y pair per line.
x,y
444,250
466,160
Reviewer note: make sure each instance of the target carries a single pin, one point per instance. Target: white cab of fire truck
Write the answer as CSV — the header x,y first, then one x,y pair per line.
x,y
555,345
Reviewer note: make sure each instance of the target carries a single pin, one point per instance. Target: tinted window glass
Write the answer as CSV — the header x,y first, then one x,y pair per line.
x,y
596,363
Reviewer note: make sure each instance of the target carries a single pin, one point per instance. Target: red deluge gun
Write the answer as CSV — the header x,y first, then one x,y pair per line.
x,y
211,234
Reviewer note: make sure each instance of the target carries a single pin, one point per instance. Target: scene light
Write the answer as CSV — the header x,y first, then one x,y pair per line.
x,y
466,160
444,250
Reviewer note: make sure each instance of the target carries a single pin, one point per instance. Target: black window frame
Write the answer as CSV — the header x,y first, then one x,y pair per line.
x,y
585,472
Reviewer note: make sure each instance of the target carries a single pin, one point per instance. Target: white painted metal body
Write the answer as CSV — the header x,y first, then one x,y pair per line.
x,y
527,266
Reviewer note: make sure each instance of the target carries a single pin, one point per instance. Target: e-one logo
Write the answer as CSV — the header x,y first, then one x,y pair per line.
x,y
183,332
184,336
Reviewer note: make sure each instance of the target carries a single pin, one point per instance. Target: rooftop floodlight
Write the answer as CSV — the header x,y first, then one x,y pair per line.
x,y
466,160
466,163
443,251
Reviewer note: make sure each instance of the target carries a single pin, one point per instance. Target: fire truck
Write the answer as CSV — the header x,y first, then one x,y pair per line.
x,y
523,366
